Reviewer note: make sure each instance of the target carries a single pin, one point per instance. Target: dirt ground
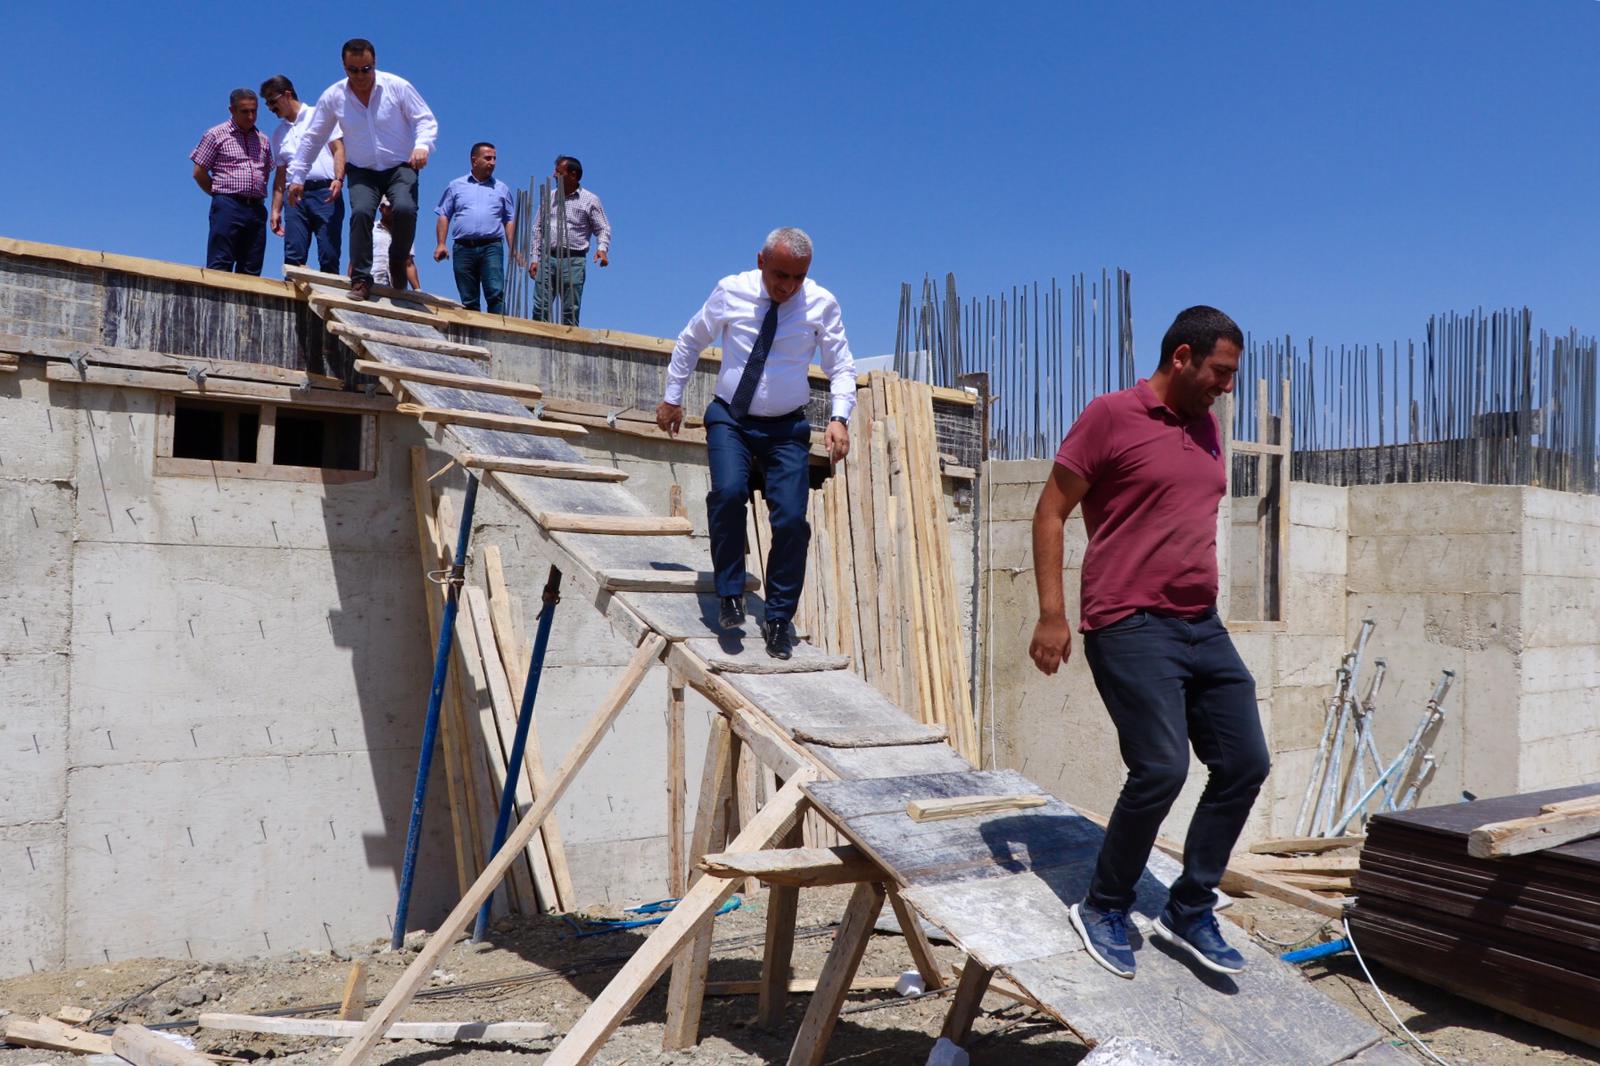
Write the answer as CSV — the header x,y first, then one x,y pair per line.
x,y
537,970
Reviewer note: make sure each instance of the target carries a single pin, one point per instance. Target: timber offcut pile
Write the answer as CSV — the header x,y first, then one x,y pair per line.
x,y
1517,929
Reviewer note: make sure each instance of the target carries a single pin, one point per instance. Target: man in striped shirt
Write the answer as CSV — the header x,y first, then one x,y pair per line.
x,y
231,165
563,237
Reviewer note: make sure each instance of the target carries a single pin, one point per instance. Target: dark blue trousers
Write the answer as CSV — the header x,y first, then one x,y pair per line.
x,y
315,217
237,240
480,265
1169,683
781,449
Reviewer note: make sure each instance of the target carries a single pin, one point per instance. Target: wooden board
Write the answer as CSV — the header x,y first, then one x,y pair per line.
x,y
322,281
1305,845
856,764
829,701
385,308
664,581
1547,829
542,468
892,735
435,344
801,867
442,1032
733,653
446,379
639,526
505,423
936,810
142,1047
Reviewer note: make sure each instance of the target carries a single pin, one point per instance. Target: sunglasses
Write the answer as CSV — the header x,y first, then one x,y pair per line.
x,y
368,69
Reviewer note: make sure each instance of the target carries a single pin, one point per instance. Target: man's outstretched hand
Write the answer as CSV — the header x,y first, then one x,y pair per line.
x,y
669,416
1052,644
836,438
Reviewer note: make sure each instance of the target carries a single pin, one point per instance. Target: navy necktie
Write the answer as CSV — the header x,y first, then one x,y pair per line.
x,y
758,359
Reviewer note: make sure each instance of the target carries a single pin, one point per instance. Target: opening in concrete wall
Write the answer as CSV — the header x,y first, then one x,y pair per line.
x,y
250,439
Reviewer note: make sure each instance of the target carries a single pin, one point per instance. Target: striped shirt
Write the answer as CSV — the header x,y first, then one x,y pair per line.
x,y
586,218
238,162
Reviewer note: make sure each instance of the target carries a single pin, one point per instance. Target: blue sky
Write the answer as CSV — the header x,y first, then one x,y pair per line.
x,y
1334,169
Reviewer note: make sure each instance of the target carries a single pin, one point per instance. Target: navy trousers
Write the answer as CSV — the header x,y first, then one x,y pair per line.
x,y
480,265
237,240
314,216
1169,683
781,449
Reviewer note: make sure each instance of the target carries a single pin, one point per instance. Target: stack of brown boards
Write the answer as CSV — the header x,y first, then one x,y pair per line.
x,y
1520,934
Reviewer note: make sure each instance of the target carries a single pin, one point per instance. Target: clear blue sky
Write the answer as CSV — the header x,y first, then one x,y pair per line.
x,y
1336,169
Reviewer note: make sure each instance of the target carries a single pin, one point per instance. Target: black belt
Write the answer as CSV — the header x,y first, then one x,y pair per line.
x,y
476,242
787,417
568,253
242,197
318,184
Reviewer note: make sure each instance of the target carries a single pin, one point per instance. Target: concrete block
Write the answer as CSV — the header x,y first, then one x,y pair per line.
x,y
1320,506
1285,789
1561,549
38,436
1011,545
1558,669
1472,622
1446,562
35,565
1308,659
1433,508
1316,603
33,883
1313,550
1550,715
1557,763
1299,716
1260,654
1558,611
33,738
1561,507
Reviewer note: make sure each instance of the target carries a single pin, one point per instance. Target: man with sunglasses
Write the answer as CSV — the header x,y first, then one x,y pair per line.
x,y
231,164
388,132
321,213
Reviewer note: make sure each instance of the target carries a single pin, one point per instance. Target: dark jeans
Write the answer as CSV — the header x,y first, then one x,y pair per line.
x,y
1168,683
367,187
560,278
481,265
782,448
238,238
315,217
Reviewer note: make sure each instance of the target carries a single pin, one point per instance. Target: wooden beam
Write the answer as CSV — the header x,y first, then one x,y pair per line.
x,y
1548,829
937,810
232,389
916,942
1308,864
1301,845
374,307
506,464
445,379
665,581
640,972
838,972
51,1035
626,525
800,986
444,1032
783,907
969,1000
434,345
143,359
796,866
466,910
353,1003
142,1047
677,788
305,277
450,416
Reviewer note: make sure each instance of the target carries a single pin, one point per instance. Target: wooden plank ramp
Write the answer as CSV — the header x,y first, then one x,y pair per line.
x,y
997,883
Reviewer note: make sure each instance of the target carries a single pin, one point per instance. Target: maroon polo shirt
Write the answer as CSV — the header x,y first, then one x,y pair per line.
x,y
1151,510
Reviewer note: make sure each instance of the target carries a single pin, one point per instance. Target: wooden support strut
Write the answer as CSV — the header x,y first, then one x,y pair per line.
x,y
849,944
450,416
506,464
448,380
401,994
435,344
622,525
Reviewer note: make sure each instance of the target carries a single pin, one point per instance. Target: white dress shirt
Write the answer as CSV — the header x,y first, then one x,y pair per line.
x,y
807,321
286,141
377,135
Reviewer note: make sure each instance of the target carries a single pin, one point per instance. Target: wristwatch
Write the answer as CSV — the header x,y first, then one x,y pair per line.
x,y
841,419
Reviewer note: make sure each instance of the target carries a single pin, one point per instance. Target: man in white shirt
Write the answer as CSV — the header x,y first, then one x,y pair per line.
x,y
320,214
768,321
388,133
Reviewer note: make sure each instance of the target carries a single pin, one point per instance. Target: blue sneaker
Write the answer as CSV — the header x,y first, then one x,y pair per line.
x,y
1203,939
1105,934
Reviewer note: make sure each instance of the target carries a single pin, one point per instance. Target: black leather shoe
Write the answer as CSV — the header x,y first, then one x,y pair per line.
x,y
731,613
780,641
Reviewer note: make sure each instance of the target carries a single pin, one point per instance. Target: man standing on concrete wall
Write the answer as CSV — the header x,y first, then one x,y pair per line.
x,y
231,164
568,233
321,213
769,321
389,132
1148,467
475,212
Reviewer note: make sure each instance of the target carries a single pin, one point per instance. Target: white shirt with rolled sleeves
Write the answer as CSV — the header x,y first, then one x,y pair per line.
x,y
809,321
286,141
378,135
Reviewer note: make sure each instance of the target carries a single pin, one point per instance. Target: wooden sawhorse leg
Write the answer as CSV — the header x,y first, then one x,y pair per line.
x,y
838,972
969,998
783,906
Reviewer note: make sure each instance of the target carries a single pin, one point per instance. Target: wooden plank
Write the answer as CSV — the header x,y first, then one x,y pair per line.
x,y
436,344
677,787
665,581
142,1047
51,1035
234,389
968,1002
306,278
353,1002
639,974
934,810
783,906
917,942
144,359
1304,845
639,526
9,362
800,986
445,379
382,308
466,910
538,427
795,866
871,735
540,467
73,1015
1322,864
849,944
732,654
1584,803
440,1032
1520,836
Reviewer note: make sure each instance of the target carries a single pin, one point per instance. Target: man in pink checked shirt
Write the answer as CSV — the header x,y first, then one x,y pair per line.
x,y
231,165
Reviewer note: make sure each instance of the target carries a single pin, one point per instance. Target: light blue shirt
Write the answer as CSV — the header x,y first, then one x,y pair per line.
x,y
476,209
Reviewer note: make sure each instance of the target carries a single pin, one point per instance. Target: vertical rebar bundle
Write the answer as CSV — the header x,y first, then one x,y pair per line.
x,y
545,230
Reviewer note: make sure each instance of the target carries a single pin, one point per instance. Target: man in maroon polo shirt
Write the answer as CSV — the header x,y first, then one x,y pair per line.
x,y
1147,465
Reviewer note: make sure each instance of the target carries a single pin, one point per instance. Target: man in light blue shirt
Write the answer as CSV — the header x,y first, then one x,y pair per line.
x,y
474,212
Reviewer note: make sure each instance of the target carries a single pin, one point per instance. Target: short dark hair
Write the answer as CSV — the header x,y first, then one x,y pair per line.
x,y
1200,327
481,144
276,86
356,46
572,165
238,95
